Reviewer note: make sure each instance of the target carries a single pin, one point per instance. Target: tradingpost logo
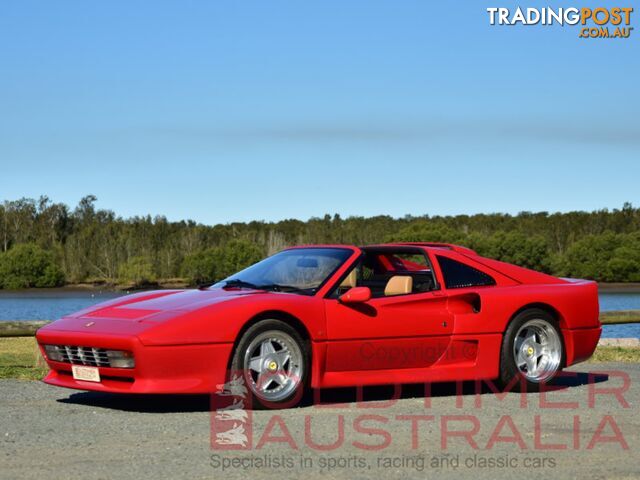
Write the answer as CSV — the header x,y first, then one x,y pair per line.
x,y
600,22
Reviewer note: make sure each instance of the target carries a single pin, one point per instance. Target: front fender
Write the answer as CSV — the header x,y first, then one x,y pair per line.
x,y
221,323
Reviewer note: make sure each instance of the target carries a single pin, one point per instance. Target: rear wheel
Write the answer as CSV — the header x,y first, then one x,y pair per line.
x,y
272,359
532,350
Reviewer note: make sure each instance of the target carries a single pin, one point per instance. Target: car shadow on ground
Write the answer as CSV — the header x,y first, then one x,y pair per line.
x,y
334,396
442,389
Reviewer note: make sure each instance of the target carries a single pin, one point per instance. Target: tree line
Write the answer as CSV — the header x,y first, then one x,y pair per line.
x,y
46,244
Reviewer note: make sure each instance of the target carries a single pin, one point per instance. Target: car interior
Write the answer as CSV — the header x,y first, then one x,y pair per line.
x,y
390,272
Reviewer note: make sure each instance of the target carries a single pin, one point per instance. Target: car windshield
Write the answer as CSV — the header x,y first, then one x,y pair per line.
x,y
299,270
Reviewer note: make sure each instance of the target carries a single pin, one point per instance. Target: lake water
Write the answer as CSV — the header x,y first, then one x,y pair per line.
x,y
618,301
55,303
49,304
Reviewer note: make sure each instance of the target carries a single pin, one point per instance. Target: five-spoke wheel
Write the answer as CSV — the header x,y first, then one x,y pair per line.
x,y
537,350
532,349
272,358
273,365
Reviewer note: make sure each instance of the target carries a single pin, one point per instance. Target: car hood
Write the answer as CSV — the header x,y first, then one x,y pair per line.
x,y
136,313
150,306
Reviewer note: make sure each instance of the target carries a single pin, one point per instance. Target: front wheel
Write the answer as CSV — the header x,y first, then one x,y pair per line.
x,y
532,350
272,359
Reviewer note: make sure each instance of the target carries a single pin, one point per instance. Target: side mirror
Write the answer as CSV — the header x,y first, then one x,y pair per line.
x,y
355,295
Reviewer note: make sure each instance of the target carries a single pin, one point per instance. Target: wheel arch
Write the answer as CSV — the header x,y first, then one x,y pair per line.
x,y
555,314
291,320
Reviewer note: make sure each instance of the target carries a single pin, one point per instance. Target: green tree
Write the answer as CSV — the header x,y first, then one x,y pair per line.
x,y
236,255
92,244
216,263
529,251
200,267
589,257
28,265
138,270
425,231
624,265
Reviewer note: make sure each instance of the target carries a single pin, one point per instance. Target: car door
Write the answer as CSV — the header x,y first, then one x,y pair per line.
x,y
410,330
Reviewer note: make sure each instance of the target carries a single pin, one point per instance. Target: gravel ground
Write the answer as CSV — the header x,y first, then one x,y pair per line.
x,y
52,433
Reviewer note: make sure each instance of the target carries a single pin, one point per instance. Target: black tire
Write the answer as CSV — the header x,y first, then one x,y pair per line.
x,y
509,370
237,363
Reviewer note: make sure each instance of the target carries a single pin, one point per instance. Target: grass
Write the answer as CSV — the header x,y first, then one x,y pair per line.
x,y
616,354
621,316
20,357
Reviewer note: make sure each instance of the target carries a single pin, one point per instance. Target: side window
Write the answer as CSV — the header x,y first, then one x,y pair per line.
x,y
459,275
377,268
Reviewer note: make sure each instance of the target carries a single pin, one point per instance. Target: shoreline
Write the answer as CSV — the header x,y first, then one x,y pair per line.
x,y
619,287
92,288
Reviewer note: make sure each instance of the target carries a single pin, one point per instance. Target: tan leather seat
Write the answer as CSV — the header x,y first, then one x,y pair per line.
x,y
398,285
351,280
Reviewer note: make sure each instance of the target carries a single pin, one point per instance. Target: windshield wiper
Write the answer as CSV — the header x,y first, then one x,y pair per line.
x,y
274,287
241,284
281,288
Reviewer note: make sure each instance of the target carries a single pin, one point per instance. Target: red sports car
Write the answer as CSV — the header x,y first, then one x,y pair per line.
x,y
332,316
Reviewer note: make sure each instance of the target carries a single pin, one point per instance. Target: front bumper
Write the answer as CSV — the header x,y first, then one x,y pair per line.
x,y
197,368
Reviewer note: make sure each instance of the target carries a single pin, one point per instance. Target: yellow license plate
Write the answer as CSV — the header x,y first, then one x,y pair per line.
x,y
88,374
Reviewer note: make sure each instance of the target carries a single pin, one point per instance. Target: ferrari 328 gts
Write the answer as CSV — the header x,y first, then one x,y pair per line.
x,y
332,316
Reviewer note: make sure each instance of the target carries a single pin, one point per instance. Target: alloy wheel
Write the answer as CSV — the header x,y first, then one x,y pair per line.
x,y
273,365
537,350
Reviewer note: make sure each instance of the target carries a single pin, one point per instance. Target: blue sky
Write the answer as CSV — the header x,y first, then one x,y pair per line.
x,y
225,111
